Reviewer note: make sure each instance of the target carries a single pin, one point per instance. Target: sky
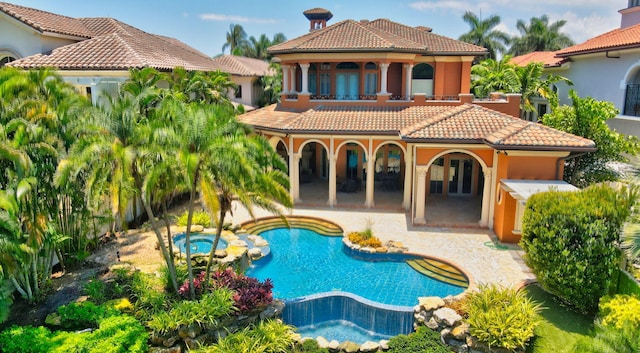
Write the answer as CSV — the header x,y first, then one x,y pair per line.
x,y
203,24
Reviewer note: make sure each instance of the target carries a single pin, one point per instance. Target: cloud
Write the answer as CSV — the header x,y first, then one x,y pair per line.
x,y
439,5
580,28
233,18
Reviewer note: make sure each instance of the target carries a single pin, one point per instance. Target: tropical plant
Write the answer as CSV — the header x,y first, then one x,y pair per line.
x,y
271,86
236,38
611,340
199,217
571,241
484,34
532,84
494,76
423,339
82,315
501,317
266,337
257,48
620,310
587,117
539,35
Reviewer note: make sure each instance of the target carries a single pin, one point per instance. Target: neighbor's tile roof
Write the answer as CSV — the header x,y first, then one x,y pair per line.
x,y
378,35
621,38
46,21
466,123
242,66
110,45
548,58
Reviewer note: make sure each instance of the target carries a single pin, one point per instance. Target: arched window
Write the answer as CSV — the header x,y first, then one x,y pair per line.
x,y
313,79
347,81
6,59
632,95
422,79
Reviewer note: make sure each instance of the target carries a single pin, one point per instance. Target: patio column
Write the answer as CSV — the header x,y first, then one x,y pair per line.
x,y
332,178
305,78
292,79
295,176
285,78
384,67
408,69
370,182
421,175
486,197
408,165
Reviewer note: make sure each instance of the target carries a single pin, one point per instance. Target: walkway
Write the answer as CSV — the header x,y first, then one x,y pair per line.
x,y
473,250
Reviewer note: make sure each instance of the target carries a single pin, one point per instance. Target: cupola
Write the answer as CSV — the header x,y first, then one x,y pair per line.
x,y
318,18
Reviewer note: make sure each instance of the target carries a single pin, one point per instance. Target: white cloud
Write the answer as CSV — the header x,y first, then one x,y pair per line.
x,y
233,18
439,5
581,28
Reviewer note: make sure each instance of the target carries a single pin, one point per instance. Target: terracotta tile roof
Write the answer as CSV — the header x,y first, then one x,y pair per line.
x,y
43,21
466,123
621,38
241,66
378,35
548,58
111,45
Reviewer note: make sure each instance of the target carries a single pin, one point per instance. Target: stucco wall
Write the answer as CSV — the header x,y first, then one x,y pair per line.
x,y
18,38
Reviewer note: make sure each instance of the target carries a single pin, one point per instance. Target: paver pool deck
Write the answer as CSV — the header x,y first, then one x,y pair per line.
x,y
472,250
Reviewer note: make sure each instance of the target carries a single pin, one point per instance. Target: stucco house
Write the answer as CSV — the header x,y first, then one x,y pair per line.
x,y
606,67
379,113
96,54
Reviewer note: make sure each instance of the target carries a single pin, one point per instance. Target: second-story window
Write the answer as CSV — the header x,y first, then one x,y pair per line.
x,y
313,79
422,79
347,81
370,79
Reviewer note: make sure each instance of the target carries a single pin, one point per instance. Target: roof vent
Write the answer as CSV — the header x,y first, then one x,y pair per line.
x,y
318,18
364,22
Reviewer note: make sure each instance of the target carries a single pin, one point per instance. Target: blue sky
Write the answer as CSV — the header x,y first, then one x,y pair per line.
x,y
204,23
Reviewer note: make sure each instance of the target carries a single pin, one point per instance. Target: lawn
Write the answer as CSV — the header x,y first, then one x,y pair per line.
x,y
561,326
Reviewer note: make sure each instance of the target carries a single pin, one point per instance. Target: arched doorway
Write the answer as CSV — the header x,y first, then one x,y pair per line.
x,y
351,174
632,94
454,190
389,167
313,174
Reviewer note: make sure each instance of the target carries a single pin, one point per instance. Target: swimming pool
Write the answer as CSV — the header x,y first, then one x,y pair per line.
x,y
303,263
201,243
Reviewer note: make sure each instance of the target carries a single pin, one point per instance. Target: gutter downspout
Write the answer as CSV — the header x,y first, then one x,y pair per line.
x,y
564,159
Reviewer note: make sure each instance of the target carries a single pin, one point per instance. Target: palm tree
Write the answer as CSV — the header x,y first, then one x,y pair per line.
x,y
532,84
257,48
539,35
251,174
494,76
236,37
484,34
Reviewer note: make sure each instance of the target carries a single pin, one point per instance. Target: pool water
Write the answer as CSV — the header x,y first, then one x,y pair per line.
x,y
303,262
341,331
200,243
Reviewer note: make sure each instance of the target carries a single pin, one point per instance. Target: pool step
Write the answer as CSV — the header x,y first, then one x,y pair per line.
x,y
317,225
440,271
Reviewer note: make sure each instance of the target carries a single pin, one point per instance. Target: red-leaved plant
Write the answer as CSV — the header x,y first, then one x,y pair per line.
x,y
250,294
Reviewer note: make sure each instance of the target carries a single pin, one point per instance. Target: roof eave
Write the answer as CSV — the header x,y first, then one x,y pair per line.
x,y
541,148
368,50
598,50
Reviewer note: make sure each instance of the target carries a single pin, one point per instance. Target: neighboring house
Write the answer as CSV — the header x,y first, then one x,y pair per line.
x,y
245,73
607,67
383,110
93,54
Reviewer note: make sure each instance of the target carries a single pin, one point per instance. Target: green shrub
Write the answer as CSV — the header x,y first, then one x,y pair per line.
x,y
620,310
77,316
116,334
610,340
25,339
364,239
208,311
502,317
309,346
423,340
570,240
267,336
147,292
199,217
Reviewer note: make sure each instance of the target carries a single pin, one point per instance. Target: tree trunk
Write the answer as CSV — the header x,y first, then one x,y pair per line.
x,y
167,257
223,213
187,236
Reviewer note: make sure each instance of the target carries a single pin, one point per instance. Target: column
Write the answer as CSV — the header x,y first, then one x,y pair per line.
x,y
305,78
285,79
421,175
370,182
486,197
384,68
292,79
408,168
332,175
408,73
295,177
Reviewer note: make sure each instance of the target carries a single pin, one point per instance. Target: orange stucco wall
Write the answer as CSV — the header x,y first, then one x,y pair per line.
x,y
424,155
451,85
517,167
